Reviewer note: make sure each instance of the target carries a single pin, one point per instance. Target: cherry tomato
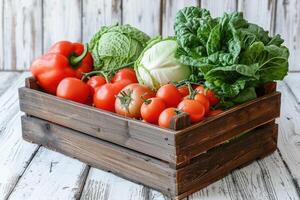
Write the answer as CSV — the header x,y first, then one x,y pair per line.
x,y
126,73
204,101
170,94
214,112
76,90
183,90
213,99
151,109
194,108
166,116
131,98
96,81
105,97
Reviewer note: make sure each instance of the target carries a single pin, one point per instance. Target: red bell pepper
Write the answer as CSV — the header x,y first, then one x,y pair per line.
x,y
63,59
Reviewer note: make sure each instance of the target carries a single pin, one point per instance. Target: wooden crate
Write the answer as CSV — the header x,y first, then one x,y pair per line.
x,y
177,163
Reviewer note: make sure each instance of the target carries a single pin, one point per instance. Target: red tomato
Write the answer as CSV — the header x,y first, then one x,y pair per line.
x,y
126,73
119,85
170,94
194,108
213,99
183,90
76,90
151,109
131,98
96,81
203,100
214,112
166,116
105,97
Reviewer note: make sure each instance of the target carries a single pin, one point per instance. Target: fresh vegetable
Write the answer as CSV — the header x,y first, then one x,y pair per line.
x,y
105,97
214,112
131,98
183,90
157,64
200,97
151,109
114,46
231,55
76,90
121,84
194,108
213,100
96,81
170,94
126,73
166,116
64,59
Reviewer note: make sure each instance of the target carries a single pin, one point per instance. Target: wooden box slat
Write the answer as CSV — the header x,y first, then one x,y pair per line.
x,y
175,183
175,147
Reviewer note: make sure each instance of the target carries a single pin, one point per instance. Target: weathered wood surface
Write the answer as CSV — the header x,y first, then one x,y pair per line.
x,y
287,24
6,80
29,27
261,12
146,15
293,83
61,177
22,33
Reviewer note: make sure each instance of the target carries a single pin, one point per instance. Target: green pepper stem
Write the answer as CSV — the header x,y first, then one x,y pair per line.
x,y
75,60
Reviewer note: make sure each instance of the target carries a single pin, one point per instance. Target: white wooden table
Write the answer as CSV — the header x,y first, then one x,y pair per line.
x,y
28,171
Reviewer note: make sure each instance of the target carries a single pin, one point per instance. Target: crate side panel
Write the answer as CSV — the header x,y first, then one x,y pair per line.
x,y
129,133
217,163
104,155
198,139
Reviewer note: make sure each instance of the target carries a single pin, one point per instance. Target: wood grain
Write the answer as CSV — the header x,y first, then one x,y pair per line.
x,y
288,25
169,10
123,162
293,83
201,137
289,132
132,134
22,38
1,35
144,15
97,14
218,7
7,79
265,18
103,185
61,21
61,177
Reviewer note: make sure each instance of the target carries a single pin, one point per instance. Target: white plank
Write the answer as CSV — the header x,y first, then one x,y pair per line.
x,y
265,18
223,189
51,175
15,153
170,8
97,14
288,25
218,7
102,185
293,81
1,35
144,15
155,195
289,131
62,21
22,33
6,79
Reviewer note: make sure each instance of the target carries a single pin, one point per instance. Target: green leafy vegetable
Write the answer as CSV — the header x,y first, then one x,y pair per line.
x,y
232,56
157,64
114,46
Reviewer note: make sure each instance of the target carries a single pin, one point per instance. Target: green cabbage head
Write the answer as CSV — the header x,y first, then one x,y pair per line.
x,y
157,64
117,45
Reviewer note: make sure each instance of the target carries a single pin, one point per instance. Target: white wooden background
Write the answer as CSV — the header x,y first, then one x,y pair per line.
x,y
29,27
